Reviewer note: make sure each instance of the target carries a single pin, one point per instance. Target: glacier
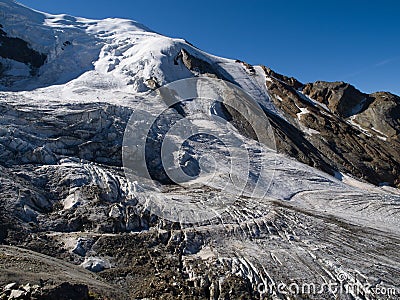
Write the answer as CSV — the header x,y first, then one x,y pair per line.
x,y
64,192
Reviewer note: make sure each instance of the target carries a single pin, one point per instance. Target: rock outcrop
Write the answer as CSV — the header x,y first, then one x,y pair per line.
x,y
342,99
382,116
19,50
353,132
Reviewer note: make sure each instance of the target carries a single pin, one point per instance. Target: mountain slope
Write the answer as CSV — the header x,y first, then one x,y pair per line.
x,y
355,133
65,192
118,58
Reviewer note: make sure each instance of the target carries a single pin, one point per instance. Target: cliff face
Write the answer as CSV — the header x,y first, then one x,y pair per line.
x,y
354,132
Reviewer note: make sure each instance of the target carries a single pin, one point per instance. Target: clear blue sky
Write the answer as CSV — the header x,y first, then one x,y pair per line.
x,y
357,41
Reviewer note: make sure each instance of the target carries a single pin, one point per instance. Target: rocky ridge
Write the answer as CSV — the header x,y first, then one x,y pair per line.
x,y
342,123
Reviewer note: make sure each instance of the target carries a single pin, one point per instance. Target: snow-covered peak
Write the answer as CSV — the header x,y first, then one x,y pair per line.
x,y
71,44
104,59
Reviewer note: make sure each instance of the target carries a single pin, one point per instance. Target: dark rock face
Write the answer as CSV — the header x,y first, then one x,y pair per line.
x,y
66,291
291,81
376,113
19,50
200,66
342,98
195,64
336,141
291,140
382,116
29,275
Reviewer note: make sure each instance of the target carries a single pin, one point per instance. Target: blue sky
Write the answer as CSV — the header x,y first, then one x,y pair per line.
x,y
354,41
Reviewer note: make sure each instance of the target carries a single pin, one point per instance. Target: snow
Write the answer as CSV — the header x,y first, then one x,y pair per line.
x,y
351,181
253,84
96,264
76,46
312,101
305,129
14,68
206,253
310,131
380,134
381,138
107,60
303,111
352,121
116,58
110,61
